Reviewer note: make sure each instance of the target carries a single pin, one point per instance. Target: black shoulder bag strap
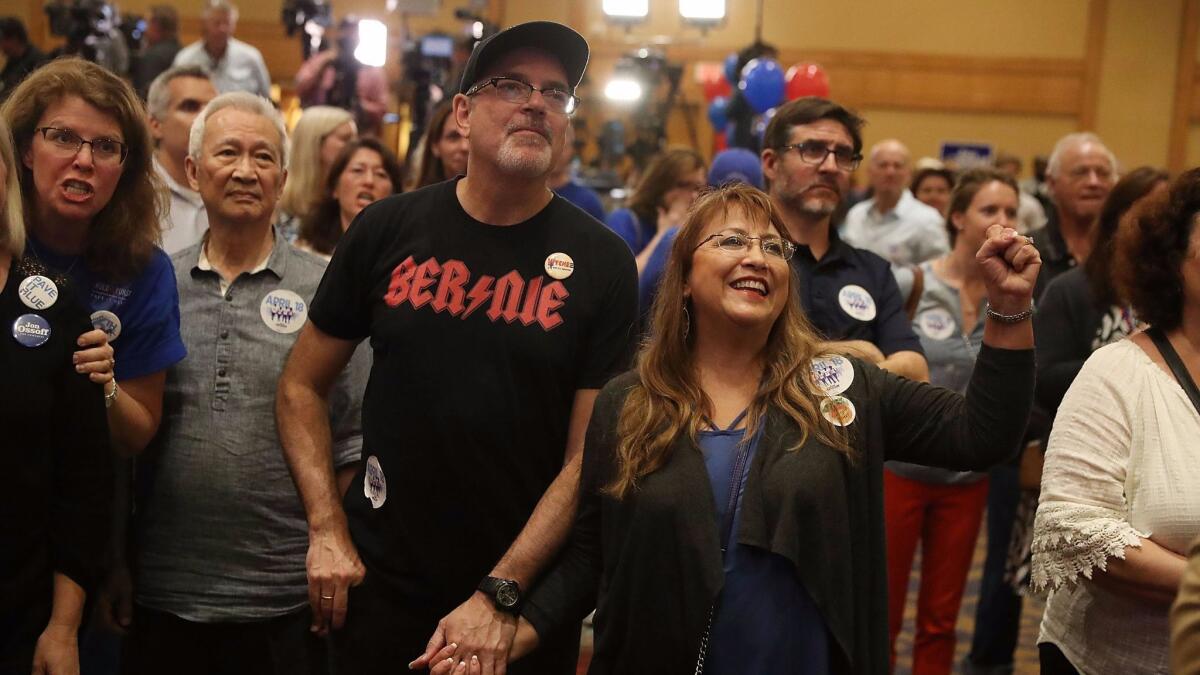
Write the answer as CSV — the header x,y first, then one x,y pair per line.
x,y
1176,364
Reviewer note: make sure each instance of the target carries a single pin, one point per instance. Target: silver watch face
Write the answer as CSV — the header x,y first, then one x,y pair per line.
x,y
506,595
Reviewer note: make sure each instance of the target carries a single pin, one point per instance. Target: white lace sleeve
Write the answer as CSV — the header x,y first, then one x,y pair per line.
x,y
1083,516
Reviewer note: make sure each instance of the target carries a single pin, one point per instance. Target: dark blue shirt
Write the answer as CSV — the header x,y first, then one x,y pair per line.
x,y
766,622
652,273
583,197
851,294
631,228
146,310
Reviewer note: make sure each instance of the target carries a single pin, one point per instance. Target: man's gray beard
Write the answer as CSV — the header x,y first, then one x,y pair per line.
x,y
815,208
513,161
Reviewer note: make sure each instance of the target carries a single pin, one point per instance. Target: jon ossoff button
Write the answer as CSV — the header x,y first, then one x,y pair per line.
x,y
31,330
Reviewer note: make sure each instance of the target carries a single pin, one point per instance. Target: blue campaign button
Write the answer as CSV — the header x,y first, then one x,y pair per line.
x,y
31,330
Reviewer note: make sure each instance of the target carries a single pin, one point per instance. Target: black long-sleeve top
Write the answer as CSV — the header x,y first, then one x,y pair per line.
x,y
55,456
651,563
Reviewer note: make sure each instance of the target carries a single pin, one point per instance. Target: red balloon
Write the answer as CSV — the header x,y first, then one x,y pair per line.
x,y
806,79
719,142
716,86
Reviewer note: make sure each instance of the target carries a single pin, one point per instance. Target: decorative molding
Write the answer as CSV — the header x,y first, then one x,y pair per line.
x,y
1093,55
1184,105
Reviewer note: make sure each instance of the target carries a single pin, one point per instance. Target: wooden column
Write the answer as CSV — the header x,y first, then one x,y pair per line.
x,y
1185,84
1089,102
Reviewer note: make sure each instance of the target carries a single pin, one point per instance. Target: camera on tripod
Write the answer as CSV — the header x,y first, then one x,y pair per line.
x,y
95,31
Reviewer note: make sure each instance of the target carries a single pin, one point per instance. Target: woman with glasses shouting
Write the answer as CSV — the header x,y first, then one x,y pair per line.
x,y
94,207
730,515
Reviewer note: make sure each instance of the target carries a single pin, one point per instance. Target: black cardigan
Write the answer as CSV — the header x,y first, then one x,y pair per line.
x,y
651,563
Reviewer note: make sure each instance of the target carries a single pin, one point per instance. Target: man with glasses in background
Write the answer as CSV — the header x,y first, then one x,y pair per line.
x,y
810,148
496,311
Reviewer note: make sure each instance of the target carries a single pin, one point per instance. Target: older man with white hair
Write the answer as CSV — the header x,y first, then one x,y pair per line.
x,y
222,536
892,223
235,65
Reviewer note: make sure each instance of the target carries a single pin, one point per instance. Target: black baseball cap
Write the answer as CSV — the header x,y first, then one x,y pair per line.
x,y
558,40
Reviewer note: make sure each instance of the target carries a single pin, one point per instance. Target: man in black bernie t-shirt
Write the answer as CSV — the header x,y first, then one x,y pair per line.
x,y
496,311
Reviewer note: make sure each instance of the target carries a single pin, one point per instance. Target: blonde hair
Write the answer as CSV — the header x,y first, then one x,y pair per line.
x,y
306,176
667,400
12,219
122,236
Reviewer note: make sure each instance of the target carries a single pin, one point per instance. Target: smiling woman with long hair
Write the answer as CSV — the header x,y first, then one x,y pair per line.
x,y
731,508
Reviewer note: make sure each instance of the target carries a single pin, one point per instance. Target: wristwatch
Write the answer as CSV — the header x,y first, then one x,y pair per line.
x,y
505,593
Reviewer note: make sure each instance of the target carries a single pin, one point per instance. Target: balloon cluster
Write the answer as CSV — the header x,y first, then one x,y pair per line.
x,y
764,85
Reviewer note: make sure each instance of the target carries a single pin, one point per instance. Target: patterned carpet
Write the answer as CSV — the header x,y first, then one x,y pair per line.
x,y
1026,659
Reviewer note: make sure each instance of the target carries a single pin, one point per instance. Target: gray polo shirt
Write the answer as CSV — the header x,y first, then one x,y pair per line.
x,y
222,532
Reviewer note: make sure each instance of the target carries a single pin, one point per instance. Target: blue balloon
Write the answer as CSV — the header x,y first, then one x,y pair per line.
x,y
761,122
763,84
718,112
731,73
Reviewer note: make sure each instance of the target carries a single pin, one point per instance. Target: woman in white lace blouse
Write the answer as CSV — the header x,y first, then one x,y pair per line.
x,y
1120,497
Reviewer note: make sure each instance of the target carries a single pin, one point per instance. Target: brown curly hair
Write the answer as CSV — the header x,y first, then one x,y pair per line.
x,y
123,235
1151,251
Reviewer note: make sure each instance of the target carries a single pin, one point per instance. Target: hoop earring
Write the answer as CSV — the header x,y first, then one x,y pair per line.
x,y
687,322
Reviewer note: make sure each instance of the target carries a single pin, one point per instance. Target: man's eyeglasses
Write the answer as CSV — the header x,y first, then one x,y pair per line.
x,y
516,91
815,152
773,246
67,143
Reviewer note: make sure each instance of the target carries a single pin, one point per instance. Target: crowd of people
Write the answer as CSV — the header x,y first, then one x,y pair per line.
x,y
280,403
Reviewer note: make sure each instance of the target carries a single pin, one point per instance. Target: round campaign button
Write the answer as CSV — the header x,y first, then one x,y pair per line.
x,y
374,483
832,374
38,292
559,266
936,323
839,410
31,330
857,302
108,322
283,311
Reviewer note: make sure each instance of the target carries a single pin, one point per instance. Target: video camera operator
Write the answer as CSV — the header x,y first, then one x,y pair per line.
x,y
90,27
333,76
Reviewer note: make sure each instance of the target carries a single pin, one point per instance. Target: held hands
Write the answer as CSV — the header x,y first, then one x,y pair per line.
x,y
333,567
95,357
673,214
57,651
1009,264
474,639
114,602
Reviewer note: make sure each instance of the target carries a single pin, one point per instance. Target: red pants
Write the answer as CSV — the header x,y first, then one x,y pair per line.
x,y
945,518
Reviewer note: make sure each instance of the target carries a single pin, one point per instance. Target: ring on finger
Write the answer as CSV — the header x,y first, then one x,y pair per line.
x,y
326,597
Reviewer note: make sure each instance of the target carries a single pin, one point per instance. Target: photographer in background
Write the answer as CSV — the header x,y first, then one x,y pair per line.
x,y
90,27
161,46
334,77
21,56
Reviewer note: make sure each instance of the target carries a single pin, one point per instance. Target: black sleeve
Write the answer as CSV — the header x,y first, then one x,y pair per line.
x,y
893,329
1058,358
341,306
568,591
80,518
611,340
925,424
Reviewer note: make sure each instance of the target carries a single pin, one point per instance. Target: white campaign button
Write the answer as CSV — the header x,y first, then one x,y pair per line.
x,y
857,302
832,374
559,265
936,323
38,292
839,410
283,311
108,322
374,483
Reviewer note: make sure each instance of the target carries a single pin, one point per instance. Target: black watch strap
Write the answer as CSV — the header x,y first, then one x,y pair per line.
x,y
505,593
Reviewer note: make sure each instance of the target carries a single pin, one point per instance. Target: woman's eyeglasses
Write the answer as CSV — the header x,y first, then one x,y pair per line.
x,y
776,247
67,143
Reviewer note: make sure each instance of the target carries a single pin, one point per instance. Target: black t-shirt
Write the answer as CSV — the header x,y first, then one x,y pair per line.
x,y
481,337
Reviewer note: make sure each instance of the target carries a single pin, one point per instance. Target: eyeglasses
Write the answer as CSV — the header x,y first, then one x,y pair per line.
x,y
516,91
68,144
776,247
815,152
